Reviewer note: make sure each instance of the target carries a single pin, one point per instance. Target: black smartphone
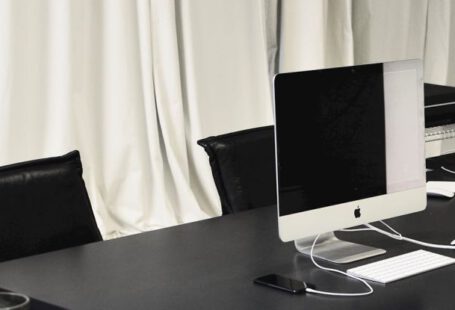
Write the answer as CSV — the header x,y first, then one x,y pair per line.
x,y
282,283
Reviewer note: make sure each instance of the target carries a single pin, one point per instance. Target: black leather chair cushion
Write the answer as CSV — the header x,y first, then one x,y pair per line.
x,y
243,167
44,206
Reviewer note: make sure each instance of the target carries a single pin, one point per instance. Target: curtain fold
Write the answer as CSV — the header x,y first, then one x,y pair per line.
x,y
388,30
440,43
315,34
133,85
319,34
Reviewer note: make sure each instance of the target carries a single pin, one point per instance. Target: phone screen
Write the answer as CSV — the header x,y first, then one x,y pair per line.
x,y
282,283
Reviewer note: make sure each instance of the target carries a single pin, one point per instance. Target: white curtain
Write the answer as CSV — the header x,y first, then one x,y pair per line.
x,y
327,33
133,85
440,42
315,34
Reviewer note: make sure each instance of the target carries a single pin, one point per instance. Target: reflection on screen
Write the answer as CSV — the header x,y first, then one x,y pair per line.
x,y
331,137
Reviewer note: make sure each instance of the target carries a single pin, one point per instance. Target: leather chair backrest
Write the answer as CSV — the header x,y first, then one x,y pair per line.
x,y
243,167
44,206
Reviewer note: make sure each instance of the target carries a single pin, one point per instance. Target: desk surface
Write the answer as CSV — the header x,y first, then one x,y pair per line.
x,y
211,264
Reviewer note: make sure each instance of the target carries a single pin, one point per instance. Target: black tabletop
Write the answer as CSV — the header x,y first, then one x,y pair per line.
x,y
211,264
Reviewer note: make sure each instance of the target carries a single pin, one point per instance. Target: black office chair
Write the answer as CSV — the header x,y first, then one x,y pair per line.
x,y
44,206
243,167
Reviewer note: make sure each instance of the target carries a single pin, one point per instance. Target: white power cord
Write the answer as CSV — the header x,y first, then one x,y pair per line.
x,y
398,236
448,170
395,235
310,290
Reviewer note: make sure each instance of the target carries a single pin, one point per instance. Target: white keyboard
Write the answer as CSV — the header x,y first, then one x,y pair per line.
x,y
401,266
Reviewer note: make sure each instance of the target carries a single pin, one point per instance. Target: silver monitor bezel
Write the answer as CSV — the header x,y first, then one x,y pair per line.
x,y
309,223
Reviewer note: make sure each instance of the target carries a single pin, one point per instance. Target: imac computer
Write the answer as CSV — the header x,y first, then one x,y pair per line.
x,y
349,145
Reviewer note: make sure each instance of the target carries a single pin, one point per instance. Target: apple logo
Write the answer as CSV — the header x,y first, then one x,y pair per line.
x,y
357,212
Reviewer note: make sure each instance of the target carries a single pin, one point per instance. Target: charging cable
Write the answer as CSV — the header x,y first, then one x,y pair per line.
x,y
398,236
442,168
310,290
394,234
447,170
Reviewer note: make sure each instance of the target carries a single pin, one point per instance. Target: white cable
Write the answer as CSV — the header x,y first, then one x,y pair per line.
x,y
398,236
448,170
310,290
395,235
390,227
354,229
368,229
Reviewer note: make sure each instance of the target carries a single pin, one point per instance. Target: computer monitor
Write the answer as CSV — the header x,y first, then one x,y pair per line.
x,y
349,151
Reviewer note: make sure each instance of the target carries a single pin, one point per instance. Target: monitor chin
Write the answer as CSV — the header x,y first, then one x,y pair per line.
x,y
323,220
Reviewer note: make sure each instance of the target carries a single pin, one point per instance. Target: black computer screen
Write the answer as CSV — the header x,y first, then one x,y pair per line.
x,y
330,134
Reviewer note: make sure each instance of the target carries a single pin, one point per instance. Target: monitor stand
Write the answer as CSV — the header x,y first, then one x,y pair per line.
x,y
330,248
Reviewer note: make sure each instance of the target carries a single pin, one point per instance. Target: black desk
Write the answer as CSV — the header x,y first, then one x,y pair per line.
x,y
211,265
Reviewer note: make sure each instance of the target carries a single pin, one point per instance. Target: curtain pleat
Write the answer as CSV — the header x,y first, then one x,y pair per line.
x,y
319,34
134,84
